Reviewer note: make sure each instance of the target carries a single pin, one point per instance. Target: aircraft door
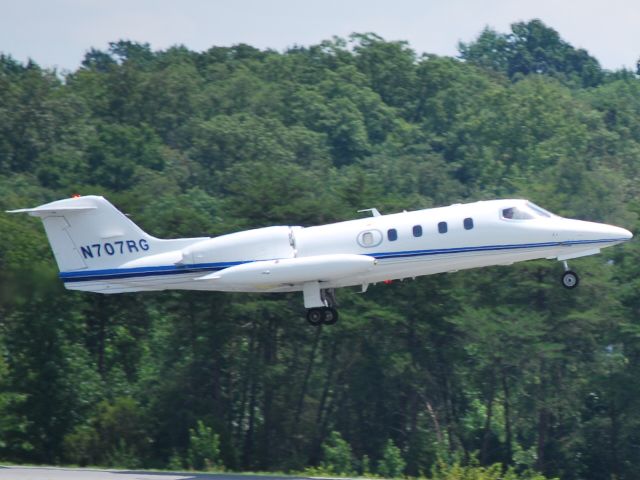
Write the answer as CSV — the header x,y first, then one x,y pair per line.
x,y
369,238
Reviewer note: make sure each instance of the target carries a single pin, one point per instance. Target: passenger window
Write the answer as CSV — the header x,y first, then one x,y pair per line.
x,y
442,227
417,230
367,239
392,234
468,223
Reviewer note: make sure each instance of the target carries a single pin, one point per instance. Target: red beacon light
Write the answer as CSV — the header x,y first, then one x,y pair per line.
x,y
76,195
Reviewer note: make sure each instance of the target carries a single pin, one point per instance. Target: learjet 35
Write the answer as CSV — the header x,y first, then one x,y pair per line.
x,y
98,249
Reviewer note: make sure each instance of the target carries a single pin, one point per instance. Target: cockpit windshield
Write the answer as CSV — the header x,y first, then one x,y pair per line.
x,y
539,210
528,211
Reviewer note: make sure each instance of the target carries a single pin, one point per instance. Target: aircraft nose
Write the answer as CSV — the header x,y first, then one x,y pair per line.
x,y
624,233
617,233
601,232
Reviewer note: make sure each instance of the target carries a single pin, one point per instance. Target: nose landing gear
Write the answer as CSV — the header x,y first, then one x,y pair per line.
x,y
569,278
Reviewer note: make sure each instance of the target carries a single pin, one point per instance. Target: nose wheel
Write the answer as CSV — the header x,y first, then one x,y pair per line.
x,y
569,278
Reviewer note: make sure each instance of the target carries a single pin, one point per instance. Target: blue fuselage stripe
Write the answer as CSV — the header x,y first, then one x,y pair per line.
x,y
140,272
118,273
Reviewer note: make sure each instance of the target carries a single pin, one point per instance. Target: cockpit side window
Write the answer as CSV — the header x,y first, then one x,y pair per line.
x,y
515,213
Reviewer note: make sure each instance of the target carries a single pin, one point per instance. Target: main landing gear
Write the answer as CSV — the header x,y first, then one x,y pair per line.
x,y
569,278
322,316
320,303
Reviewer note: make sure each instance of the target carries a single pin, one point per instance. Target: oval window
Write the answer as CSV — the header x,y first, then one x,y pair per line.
x,y
370,238
417,230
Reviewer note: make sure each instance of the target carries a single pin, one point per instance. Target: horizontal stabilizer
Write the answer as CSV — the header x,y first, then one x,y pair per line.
x,y
45,210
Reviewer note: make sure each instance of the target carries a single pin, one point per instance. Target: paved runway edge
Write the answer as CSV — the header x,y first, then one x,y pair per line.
x,y
63,473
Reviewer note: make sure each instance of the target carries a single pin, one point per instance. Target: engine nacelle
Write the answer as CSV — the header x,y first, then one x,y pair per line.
x,y
268,273
259,244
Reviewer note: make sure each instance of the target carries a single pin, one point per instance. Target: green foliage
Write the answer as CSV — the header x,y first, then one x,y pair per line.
x,y
11,424
494,472
337,455
391,464
114,435
175,462
204,448
533,48
365,466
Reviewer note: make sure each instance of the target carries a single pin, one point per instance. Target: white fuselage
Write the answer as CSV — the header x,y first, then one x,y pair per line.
x,y
357,252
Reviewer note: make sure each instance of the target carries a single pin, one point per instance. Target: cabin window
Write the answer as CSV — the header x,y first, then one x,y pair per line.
x,y
442,227
417,230
392,234
468,223
367,239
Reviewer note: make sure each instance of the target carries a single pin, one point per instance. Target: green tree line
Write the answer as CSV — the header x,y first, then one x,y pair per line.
x,y
499,365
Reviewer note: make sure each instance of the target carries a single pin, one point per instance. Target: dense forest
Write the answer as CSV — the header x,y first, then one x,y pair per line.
x,y
499,365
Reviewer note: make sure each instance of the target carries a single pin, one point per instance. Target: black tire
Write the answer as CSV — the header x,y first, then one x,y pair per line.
x,y
570,279
315,316
329,316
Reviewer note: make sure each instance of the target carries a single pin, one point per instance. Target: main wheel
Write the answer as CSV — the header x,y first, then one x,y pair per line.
x,y
315,316
330,316
570,279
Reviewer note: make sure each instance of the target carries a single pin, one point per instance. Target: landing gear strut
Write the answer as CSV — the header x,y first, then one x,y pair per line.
x,y
321,304
569,278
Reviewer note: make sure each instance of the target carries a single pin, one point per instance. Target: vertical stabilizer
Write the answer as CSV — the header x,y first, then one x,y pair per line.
x,y
89,233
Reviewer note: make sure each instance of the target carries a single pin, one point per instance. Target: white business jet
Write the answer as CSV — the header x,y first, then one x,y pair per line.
x,y
98,249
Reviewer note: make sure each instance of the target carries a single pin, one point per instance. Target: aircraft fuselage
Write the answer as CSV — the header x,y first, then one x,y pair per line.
x,y
99,249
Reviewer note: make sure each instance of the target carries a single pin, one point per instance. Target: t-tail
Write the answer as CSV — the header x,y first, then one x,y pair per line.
x,y
89,234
